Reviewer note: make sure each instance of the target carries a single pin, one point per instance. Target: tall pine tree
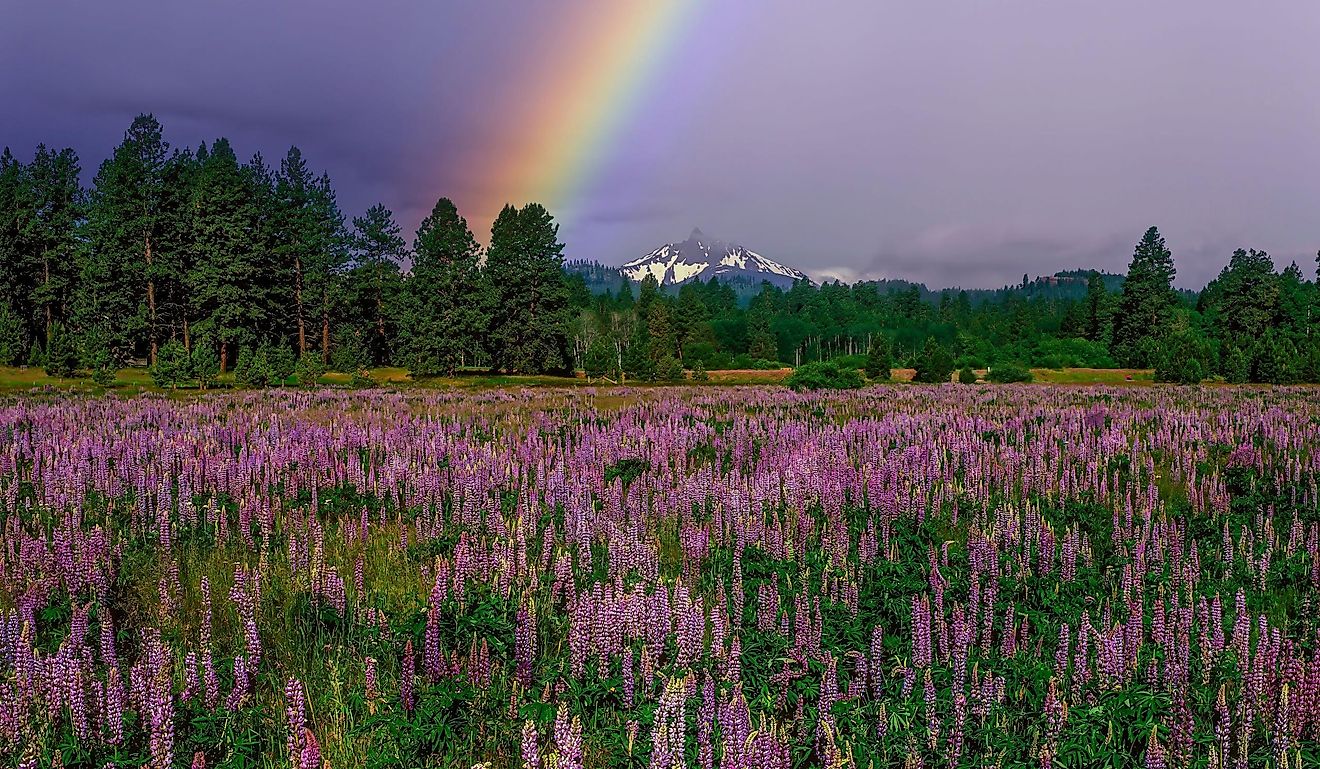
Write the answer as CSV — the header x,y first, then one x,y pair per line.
x,y
224,282
123,271
530,308
374,283
446,293
1146,304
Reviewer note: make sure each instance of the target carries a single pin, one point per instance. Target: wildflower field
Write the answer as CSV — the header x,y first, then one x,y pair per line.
x,y
940,576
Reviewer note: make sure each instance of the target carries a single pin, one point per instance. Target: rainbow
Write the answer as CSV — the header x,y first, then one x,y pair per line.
x,y
566,118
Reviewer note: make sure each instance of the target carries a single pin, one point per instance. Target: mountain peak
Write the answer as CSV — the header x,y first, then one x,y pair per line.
x,y
699,259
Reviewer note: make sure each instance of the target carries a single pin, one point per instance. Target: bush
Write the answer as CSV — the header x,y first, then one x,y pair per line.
x,y
12,338
966,375
827,375
61,353
171,366
103,374
1237,366
349,354
205,364
1178,370
935,365
251,369
36,356
669,369
879,358
280,364
600,359
309,369
1009,371
699,372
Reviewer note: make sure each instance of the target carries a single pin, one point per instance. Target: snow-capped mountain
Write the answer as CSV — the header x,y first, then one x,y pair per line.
x,y
703,259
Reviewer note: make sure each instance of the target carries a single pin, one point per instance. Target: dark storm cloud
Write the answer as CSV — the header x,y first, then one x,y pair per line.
x,y
959,143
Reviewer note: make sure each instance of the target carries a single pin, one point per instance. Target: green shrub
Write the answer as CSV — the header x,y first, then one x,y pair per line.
x,y
699,372
966,375
13,340
601,359
669,369
172,365
349,355
205,364
310,368
61,353
934,365
826,375
879,358
251,369
1007,372
280,364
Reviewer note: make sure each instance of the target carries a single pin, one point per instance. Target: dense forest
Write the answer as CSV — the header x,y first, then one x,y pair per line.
x,y
197,263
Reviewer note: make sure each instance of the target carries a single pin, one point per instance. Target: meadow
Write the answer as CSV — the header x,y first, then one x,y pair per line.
x,y
554,578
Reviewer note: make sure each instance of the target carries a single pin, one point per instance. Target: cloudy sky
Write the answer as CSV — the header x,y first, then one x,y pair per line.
x,y
957,143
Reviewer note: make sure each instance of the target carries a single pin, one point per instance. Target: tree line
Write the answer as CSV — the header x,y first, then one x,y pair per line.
x,y
189,256
1249,324
195,250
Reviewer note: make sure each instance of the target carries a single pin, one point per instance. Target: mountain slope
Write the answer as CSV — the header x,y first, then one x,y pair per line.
x,y
699,258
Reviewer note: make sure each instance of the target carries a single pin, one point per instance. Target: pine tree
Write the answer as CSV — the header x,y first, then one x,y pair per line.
x,y
224,280
312,244
1241,302
935,365
13,343
15,284
203,363
1097,310
374,281
48,234
879,358
172,365
447,295
524,267
61,352
123,272
1146,304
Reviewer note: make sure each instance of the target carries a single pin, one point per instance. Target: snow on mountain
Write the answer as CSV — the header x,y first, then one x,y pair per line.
x,y
703,259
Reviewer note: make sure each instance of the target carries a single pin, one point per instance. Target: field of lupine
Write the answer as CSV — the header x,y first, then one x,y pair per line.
x,y
899,576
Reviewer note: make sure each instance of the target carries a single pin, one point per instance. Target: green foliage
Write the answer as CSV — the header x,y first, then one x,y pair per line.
x,y
36,356
1147,303
252,368
935,365
309,370
172,366
1009,371
204,363
529,296
600,359
350,354
669,369
1237,366
699,372
966,375
13,339
449,298
1184,360
61,352
280,364
824,375
879,358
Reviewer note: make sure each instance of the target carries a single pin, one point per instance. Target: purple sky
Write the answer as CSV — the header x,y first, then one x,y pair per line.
x,y
958,143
